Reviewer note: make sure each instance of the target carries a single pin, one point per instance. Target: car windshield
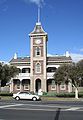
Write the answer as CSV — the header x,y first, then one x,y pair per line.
x,y
24,93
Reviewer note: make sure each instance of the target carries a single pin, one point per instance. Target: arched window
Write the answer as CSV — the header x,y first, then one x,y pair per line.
x,y
38,68
37,51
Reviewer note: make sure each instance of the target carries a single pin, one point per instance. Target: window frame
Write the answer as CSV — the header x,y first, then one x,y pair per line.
x,y
37,51
38,68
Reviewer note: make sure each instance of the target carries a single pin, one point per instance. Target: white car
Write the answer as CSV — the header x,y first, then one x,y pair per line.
x,y
26,96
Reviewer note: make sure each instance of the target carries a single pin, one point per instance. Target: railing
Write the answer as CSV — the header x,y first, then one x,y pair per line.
x,y
24,74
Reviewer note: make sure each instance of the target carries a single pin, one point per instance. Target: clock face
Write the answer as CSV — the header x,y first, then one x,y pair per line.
x,y
38,41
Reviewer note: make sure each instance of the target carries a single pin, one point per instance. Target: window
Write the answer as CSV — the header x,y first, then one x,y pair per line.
x,y
62,87
37,51
26,87
26,70
38,68
53,85
18,86
51,69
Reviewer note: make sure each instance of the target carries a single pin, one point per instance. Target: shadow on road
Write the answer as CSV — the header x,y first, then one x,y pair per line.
x,y
57,114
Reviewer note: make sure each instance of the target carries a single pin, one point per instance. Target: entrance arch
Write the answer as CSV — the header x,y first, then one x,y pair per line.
x,y
37,84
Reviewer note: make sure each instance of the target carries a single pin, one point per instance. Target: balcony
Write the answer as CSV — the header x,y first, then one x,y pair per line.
x,y
23,76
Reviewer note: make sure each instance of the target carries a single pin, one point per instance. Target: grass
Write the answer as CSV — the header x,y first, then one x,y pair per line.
x,y
45,98
60,99
6,97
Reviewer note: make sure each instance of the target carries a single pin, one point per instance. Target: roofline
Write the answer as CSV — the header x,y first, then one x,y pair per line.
x,y
38,34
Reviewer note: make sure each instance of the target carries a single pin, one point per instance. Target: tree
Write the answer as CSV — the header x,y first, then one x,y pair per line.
x,y
1,65
0,75
7,72
61,74
69,73
76,75
80,64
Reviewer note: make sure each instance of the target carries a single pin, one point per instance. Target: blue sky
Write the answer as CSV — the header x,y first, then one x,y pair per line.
x,y
61,19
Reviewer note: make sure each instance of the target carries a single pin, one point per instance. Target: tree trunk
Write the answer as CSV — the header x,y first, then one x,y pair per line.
x,y
76,93
0,85
57,88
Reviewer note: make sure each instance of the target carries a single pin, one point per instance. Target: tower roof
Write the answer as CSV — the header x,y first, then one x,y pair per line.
x,y
38,30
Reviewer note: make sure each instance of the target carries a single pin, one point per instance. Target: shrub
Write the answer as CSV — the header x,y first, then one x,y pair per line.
x,y
6,94
44,93
53,94
65,95
80,94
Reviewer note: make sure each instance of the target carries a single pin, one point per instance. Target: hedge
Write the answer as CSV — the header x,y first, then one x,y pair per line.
x,y
6,94
53,94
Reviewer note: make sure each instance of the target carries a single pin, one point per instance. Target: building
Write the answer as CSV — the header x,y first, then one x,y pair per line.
x,y
36,72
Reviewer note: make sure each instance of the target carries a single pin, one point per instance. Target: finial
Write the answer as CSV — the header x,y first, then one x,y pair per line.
x,y
39,13
67,54
15,56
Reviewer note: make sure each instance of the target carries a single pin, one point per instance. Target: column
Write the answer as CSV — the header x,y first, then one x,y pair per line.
x,y
31,84
11,86
21,86
43,85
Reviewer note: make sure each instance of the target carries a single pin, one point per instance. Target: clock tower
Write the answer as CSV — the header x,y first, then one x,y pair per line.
x,y
38,54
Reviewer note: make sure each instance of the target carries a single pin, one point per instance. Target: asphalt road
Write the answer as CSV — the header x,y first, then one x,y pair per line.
x,y
29,110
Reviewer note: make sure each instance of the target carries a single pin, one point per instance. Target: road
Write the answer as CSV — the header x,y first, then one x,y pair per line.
x,y
40,110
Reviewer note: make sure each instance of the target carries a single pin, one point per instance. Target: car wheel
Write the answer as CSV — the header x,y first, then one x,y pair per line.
x,y
34,98
17,98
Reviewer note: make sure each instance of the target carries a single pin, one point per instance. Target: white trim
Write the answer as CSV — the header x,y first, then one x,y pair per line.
x,y
53,87
62,87
53,66
17,86
26,85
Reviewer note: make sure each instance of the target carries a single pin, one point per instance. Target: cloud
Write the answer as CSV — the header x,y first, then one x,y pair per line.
x,y
76,57
81,50
5,8
3,5
2,1
48,55
37,2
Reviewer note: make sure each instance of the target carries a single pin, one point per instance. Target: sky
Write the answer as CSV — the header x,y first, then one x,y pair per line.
x,y
61,19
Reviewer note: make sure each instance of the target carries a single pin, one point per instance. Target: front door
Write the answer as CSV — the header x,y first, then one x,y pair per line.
x,y
38,84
